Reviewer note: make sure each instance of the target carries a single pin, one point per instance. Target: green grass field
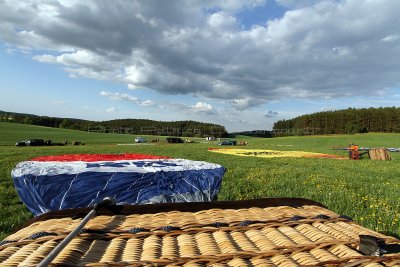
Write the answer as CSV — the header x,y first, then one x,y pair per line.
x,y
366,190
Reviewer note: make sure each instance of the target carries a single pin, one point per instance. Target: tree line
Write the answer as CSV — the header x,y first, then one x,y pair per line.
x,y
346,121
129,126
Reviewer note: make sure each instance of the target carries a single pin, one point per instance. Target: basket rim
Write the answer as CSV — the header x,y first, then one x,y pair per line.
x,y
77,213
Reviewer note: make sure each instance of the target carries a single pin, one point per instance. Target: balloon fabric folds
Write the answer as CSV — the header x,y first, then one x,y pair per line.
x,y
71,181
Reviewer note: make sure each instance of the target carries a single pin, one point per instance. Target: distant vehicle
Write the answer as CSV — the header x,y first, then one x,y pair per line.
x,y
21,143
174,140
31,142
78,143
228,143
140,140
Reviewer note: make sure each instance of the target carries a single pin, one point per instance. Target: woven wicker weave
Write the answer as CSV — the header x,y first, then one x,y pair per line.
x,y
268,236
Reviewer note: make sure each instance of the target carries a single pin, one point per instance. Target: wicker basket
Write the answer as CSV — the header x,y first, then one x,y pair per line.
x,y
246,233
379,154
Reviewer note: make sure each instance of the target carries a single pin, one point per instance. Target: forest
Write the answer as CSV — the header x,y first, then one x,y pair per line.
x,y
123,126
346,121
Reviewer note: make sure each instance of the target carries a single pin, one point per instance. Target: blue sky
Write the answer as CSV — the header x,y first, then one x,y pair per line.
x,y
242,64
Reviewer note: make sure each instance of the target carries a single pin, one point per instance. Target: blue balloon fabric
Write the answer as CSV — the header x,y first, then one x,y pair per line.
x,y
56,185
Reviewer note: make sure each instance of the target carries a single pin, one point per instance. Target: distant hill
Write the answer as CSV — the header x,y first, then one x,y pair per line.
x,y
346,121
127,126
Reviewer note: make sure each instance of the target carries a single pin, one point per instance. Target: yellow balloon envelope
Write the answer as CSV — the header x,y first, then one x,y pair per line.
x,y
266,153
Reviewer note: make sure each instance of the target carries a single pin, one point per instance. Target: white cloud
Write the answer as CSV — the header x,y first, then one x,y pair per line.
x,y
222,21
11,51
126,97
119,96
318,49
112,109
45,58
146,103
297,3
245,103
202,107
391,38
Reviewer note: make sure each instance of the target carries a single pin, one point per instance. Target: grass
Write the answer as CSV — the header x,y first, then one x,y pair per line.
x,y
366,190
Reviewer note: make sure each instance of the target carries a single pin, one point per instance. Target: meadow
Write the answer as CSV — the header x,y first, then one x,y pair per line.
x,y
366,190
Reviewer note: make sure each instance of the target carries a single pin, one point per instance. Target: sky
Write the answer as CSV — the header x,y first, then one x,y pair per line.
x,y
243,64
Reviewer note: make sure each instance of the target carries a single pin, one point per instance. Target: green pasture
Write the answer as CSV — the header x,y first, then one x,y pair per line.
x,y
366,190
